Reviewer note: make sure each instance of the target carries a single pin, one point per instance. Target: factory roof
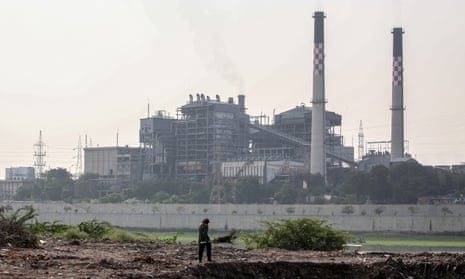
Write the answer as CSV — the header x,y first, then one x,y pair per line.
x,y
300,111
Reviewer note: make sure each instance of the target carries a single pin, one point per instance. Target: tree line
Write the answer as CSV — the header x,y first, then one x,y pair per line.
x,y
401,183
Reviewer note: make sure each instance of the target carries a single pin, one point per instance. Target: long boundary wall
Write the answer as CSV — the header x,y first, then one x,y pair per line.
x,y
366,218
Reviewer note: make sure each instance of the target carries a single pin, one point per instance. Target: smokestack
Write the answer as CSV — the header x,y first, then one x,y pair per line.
x,y
317,147
241,102
397,109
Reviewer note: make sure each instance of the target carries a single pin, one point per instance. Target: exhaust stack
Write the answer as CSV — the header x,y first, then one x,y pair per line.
x,y
317,147
397,115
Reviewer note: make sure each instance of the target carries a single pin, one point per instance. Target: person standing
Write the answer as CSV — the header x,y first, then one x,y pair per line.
x,y
204,240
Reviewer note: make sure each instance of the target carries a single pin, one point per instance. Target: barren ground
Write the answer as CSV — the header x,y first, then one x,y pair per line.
x,y
106,259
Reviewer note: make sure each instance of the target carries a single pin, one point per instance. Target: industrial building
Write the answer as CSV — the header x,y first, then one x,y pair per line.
x,y
157,141
212,138
205,133
20,174
15,177
117,167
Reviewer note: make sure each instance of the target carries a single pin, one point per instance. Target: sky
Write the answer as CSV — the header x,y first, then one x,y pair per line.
x,y
92,69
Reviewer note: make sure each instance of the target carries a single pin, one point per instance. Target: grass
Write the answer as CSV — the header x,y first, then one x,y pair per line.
x,y
371,239
86,230
412,240
182,237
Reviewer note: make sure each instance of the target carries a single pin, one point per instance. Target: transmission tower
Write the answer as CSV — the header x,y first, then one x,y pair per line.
x,y
78,166
39,156
361,140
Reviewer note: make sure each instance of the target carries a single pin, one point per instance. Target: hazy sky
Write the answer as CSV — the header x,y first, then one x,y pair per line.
x,y
71,68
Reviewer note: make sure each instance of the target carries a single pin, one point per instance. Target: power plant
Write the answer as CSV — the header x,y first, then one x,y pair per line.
x,y
210,138
214,138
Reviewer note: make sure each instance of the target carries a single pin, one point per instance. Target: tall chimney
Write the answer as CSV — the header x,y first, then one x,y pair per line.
x,y
397,114
317,147
241,102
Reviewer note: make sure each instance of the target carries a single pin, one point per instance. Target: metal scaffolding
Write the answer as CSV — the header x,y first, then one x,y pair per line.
x,y
207,133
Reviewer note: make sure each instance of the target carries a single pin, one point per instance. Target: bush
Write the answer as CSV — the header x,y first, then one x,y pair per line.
x,y
298,234
14,229
120,235
95,229
74,233
49,228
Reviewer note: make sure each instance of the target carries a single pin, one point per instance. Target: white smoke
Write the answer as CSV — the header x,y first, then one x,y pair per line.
x,y
205,22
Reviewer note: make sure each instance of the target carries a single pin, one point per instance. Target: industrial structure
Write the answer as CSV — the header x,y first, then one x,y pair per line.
x,y
116,167
20,174
389,152
209,132
15,177
39,156
156,137
317,153
397,122
210,138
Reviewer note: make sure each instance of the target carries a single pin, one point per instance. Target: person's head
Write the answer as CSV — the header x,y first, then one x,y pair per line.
x,y
205,221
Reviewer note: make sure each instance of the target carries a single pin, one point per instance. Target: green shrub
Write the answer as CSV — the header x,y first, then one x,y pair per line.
x,y
49,228
298,234
74,233
14,229
170,240
120,235
95,229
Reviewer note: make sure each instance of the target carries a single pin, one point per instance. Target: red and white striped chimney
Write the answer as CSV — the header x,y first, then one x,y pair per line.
x,y
397,109
317,147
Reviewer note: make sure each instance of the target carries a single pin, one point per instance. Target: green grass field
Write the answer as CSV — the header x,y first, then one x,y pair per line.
x,y
411,240
186,237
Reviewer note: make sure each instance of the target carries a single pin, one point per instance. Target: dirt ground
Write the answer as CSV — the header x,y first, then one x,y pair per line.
x,y
106,259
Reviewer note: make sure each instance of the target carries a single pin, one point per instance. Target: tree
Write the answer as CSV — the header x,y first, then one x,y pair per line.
x,y
316,184
86,187
58,185
379,187
247,190
113,198
199,192
356,183
446,184
31,192
411,180
161,196
24,192
145,189
286,194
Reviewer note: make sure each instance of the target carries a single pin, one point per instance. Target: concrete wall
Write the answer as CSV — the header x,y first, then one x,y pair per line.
x,y
367,218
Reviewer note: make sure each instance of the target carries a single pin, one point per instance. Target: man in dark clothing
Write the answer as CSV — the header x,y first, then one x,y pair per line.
x,y
204,240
